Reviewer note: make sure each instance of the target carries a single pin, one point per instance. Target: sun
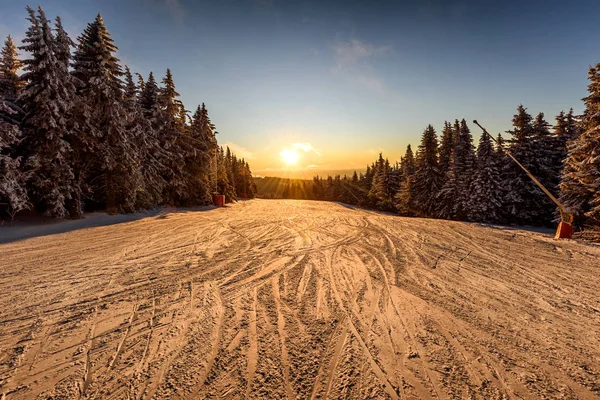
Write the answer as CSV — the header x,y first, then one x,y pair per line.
x,y
290,157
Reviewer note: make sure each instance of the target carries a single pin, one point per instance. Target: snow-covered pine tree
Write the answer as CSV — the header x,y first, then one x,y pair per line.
x,y
224,186
454,201
447,143
147,179
250,184
381,194
486,193
230,166
63,44
503,162
404,199
427,181
464,165
141,84
172,140
47,102
13,192
103,118
566,129
10,84
580,186
524,201
198,162
152,154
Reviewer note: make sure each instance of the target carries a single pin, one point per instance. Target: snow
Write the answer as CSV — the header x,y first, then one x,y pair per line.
x,y
276,298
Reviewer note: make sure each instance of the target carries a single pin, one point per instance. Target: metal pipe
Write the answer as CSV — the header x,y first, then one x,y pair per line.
x,y
565,215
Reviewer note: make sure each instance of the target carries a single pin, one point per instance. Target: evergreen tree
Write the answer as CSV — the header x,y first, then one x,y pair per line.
x,y
380,194
547,165
207,133
580,186
566,129
427,176
13,192
103,114
524,201
172,141
454,198
405,203
198,162
224,186
10,83
486,193
63,45
47,102
147,175
446,148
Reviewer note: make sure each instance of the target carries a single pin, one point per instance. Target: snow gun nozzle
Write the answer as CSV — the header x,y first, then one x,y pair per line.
x,y
477,123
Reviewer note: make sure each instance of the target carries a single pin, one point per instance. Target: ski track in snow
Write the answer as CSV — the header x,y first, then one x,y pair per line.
x,y
298,300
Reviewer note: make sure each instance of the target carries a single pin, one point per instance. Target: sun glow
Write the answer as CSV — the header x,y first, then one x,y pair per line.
x,y
290,157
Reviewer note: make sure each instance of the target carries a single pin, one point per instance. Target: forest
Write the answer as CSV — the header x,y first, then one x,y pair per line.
x,y
448,177
78,132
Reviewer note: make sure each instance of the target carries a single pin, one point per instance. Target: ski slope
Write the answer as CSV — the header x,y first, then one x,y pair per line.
x,y
298,299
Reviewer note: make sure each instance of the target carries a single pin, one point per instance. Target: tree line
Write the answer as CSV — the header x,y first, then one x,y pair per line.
x,y
449,178
79,132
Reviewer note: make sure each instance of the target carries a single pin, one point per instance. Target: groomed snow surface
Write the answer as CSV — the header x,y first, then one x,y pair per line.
x,y
297,299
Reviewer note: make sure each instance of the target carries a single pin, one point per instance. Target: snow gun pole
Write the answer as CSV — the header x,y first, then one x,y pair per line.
x,y
565,229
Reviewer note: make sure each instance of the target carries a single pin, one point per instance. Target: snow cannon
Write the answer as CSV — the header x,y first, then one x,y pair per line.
x,y
565,227
219,200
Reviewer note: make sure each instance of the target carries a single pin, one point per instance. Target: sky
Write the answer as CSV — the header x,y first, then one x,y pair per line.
x,y
336,82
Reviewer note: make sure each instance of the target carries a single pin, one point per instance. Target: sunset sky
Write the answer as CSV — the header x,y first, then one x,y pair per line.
x,y
338,81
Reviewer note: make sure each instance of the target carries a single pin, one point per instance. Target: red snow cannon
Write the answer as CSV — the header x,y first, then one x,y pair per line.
x,y
219,200
564,231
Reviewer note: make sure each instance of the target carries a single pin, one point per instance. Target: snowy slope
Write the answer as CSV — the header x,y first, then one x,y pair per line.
x,y
298,299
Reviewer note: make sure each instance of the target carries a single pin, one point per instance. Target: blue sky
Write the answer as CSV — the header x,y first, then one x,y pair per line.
x,y
339,81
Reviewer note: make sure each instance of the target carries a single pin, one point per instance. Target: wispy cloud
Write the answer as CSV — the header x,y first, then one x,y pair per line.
x,y
349,53
353,61
239,151
306,147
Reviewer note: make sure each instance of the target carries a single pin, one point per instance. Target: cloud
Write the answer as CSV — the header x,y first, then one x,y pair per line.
x,y
371,82
353,61
305,147
239,151
350,52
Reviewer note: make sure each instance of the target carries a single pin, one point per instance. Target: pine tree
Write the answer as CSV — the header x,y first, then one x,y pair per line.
x,y
103,114
454,201
171,140
198,162
446,148
47,101
524,201
13,192
405,203
63,45
580,186
486,193
208,137
224,186
380,194
546,167
566,129
147,174
10,83
427,176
